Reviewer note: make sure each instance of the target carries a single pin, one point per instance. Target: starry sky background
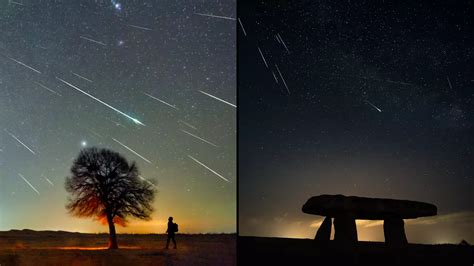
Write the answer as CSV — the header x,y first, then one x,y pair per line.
x,y
375,98
117,51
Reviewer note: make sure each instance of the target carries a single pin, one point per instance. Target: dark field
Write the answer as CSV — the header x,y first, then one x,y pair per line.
x,y
28,247
286,251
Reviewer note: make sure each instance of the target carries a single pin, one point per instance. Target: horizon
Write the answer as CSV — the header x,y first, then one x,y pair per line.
x,y
107,233
450,229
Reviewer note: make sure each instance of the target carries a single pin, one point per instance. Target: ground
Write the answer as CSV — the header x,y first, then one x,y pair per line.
x,y
286,251
36,248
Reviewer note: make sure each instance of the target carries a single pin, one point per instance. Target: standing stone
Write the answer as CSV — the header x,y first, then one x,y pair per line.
x,y
394,231
346,209
345,230
324,231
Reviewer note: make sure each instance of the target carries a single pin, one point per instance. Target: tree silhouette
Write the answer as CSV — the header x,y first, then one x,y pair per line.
x,y
104,185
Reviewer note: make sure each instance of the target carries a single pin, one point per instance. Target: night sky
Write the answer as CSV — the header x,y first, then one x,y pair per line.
x,y
365,98
152,80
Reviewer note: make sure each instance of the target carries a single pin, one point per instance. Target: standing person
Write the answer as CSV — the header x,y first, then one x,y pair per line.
x,y
172,229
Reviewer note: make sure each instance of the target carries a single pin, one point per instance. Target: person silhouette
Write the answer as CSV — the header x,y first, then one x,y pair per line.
x,y
172,229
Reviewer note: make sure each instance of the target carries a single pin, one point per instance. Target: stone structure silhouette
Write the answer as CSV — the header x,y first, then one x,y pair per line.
x,y
324,231
346,209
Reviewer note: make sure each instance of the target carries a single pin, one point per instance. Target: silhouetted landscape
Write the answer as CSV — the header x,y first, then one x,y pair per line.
x,y
104,186
345,249
280,251
28,247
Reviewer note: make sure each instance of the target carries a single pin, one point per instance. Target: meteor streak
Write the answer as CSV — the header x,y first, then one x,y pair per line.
x,y
212,96
383,80
214,16
23,64
79,76
208,142
22,177
449,82
16,3
378,109
275,77
203,165
95,133
136,121
283,42
261,54
284,82
187,124
138,27
91,40
49,181
46,88
146,180
19,141
134,152
151,96
242,26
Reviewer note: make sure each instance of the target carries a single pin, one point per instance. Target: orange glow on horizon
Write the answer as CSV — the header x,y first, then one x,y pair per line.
x,y
449,228
117,220
93,248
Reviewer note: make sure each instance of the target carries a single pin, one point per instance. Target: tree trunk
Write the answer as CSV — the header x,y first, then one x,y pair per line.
x,y
112,234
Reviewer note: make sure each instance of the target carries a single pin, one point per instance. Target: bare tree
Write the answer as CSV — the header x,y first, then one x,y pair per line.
x,y
104,185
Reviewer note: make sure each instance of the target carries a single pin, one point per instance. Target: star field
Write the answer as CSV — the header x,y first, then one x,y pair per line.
x,y
359,98
89,73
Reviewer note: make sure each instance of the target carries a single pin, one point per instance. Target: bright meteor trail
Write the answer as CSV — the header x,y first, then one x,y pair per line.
x,y
283,79
187,124
378,109
153,97
46,88
203,165
138,27
79,76
16,3
134,152
242,26
49,181
136,121
28,182
263,57
214,16
146,180
219,99
19,141
91,40
25,65
208,142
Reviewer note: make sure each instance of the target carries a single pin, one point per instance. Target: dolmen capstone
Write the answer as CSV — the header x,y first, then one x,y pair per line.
x,y
346,209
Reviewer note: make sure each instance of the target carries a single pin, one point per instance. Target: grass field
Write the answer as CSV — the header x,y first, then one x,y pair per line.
x,y
35,248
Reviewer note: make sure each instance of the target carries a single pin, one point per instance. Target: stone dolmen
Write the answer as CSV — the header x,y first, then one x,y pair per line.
x,y
346,209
